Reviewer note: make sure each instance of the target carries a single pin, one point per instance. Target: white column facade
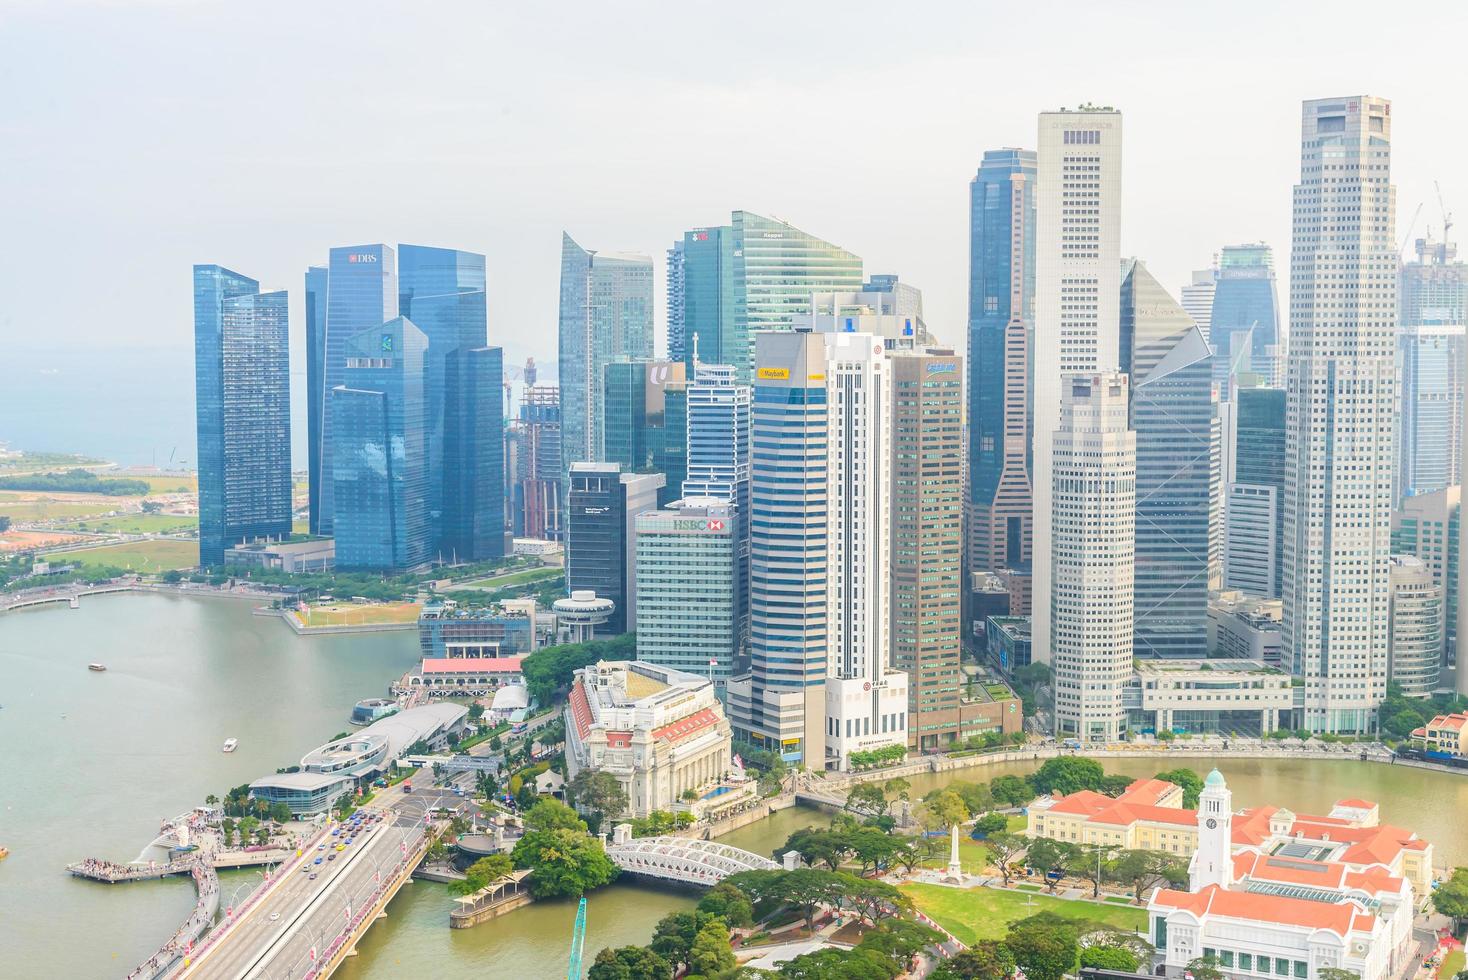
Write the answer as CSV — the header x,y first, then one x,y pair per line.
x,y
1340,413
1077,298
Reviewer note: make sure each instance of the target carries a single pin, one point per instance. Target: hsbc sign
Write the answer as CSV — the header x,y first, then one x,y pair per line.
x,y
687,524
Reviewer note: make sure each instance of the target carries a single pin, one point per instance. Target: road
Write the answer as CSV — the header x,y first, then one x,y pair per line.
x,y
274,939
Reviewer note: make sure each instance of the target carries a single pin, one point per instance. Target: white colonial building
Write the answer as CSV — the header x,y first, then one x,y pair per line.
x,y
660,731
1315,893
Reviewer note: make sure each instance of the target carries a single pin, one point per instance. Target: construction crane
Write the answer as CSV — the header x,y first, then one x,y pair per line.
x,y
526,374
1411,225
1442,257
578,942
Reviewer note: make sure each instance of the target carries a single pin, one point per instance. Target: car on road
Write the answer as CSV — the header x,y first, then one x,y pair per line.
x,y
331,857
305,867
274,916
313,877
320,847
318,861
341,847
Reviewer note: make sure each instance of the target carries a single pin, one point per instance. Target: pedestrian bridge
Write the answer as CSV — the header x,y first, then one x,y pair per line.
x,y
693,862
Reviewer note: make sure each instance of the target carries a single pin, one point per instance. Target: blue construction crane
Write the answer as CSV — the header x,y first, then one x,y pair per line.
x,y
578,941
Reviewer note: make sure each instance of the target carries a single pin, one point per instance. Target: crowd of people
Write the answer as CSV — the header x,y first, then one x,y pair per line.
x,y
207,884
113,871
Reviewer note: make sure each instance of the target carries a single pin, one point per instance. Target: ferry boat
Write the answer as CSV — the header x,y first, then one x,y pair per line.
x,y
230,744
4,853
97,667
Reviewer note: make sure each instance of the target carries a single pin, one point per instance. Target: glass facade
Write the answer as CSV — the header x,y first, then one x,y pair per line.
x,y
1430,417
472,527
1173,415
316,281
605,315
1244,328
379,461
362,295
1259,455
687,583
242,394
600,543
646,405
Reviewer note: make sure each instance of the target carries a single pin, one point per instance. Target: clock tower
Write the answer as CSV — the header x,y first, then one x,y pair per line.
x,y
1213,862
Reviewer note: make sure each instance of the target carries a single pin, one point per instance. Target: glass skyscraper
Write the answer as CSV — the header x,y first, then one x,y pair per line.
x,y
753,274
316,282
472,527
1000,331
1244,327
379,461
601,546
1430,416
1259,456
606,315
646,404
242,394
1173,416
362,295
688,588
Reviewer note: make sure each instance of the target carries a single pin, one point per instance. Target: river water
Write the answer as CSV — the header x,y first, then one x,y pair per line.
x,y
93,762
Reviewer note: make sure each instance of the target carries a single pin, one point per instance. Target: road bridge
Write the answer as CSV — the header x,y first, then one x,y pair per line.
x,y
681,859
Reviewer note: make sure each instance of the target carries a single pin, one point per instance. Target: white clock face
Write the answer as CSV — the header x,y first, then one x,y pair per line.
x,y
1212,823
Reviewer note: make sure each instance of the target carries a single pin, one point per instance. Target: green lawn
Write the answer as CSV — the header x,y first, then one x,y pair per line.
x,y
141,556
137,524
971,854
359,615
180,483
513,578
46,510
1453,964
985,913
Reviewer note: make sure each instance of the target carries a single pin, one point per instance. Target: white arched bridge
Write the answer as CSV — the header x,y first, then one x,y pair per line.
x,y
693,862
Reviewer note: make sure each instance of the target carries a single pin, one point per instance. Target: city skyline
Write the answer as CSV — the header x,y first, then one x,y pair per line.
x,y
297,202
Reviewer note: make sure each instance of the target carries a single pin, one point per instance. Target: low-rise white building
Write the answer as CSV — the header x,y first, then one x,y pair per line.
x,y
1244,697
1245,627
660,731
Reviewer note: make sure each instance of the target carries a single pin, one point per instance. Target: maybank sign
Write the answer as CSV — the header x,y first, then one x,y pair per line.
x,y
942,368
773,374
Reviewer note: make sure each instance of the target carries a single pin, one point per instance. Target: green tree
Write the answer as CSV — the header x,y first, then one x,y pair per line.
x,y
1451,897
1205,968
1108,957
867,799
1052,858
481,873
549,671
710,953
839,964
728,903
897,788
1004,848
991,823
1145,870
672,937
988,959
1067,774
1089,862
549,814
874,848
1190,781
943,811
1011,790
280,812
1336,973
629,963
599,791
566,862
1115,785
810,889
872,899
1044,950
900,940
817,846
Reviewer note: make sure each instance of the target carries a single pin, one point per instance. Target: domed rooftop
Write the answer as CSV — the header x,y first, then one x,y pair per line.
x,y
1215,778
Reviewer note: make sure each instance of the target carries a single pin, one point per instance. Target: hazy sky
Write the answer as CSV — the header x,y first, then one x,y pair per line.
x,y
139,138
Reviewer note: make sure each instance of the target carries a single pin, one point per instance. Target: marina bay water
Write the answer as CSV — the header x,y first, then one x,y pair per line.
x,y
94,761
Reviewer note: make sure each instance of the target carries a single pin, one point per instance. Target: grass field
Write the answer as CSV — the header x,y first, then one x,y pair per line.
x,y
354,615
1452,964
985,913
180,483
138,524
46,510
973,855
141,556
513,578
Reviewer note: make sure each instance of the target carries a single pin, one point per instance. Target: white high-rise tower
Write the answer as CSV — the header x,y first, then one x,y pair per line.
x,y
1077,298
1091,560
1339,414
1213,861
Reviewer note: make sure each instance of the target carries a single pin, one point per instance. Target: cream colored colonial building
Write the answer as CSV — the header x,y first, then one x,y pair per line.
x,y
660,731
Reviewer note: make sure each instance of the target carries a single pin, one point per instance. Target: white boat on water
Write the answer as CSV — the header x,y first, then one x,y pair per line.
x,y
230,744
97,667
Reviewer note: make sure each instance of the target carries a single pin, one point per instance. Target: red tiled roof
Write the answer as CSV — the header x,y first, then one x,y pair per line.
x,y
1453,721
1339,918
1147,791
580,709
472,665
1085,802
1357,804
687,726
1123,814
1252,826
619,740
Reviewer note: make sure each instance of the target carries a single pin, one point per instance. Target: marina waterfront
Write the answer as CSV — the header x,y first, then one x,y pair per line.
x,y
97,760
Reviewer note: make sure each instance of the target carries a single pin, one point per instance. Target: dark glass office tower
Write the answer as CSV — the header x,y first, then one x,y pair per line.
x,y
646,405
1244,328
316,280
473,526
1259,455
1173,415
363,295
379,461
242,392
601,538
1000,331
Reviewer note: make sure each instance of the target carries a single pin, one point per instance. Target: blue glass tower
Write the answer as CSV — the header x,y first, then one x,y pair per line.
x,y
379,462
242,392
473,524
1244,330
1000,327
363,295
1173,415
316,280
